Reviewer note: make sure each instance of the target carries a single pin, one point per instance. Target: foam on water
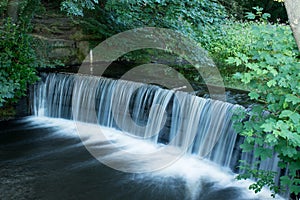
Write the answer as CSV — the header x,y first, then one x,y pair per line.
x,y
196,173
137,120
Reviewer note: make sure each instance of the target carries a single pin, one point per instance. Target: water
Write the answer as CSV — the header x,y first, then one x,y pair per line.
x,y
43,158
97,138
195,125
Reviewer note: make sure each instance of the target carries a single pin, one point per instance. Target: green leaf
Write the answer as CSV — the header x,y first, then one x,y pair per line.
x,y
247,147
237,76
288,151
243,57
295,117
250,15
285,180
269,125
266,16
234,60
286,113
247,78
271,83
253,95
271,139
264,153
295,189
292,98
285,105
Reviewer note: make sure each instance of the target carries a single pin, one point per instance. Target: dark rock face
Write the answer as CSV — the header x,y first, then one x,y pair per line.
x,y
17,110
59,37
68,52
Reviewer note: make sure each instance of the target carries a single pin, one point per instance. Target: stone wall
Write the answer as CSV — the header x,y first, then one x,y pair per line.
x,y
69,52
59,37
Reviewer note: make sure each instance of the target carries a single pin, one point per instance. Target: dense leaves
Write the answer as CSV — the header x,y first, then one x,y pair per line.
x,y
18,62
238,8
19,59
76,7
15,58
200,20
271,70
3,7
193,18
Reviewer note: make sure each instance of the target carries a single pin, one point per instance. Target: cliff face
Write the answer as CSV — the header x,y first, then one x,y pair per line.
x,y
59,37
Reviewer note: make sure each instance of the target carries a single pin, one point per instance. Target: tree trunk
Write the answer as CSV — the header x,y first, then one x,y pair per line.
x,y
12,9
293,10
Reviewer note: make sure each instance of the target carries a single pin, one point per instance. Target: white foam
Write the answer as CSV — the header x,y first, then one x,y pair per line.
x,y
115,147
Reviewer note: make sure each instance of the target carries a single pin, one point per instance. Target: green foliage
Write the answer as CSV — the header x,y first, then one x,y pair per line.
x,y
271,70
264,177
235,38
239,8
194,18
76,7
229,47
100,23
26,11
19,59
200,20
259,14
3,7
18,62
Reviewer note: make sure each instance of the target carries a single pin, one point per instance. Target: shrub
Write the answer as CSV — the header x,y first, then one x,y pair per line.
x,y
271,69
192,18
18,62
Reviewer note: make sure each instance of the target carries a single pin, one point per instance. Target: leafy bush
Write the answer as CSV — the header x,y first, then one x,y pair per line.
x,y
192,18
238,8
3,7
18,62
197,19
236,38
271,69
19,59
76,7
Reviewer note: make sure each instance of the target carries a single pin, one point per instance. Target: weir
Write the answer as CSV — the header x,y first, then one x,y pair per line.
x,y
199,126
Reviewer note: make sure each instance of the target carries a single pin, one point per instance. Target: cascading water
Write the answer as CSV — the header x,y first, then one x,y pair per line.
x,y
198,126
201,126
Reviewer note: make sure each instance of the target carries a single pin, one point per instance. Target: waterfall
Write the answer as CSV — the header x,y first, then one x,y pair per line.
x,y
199,126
